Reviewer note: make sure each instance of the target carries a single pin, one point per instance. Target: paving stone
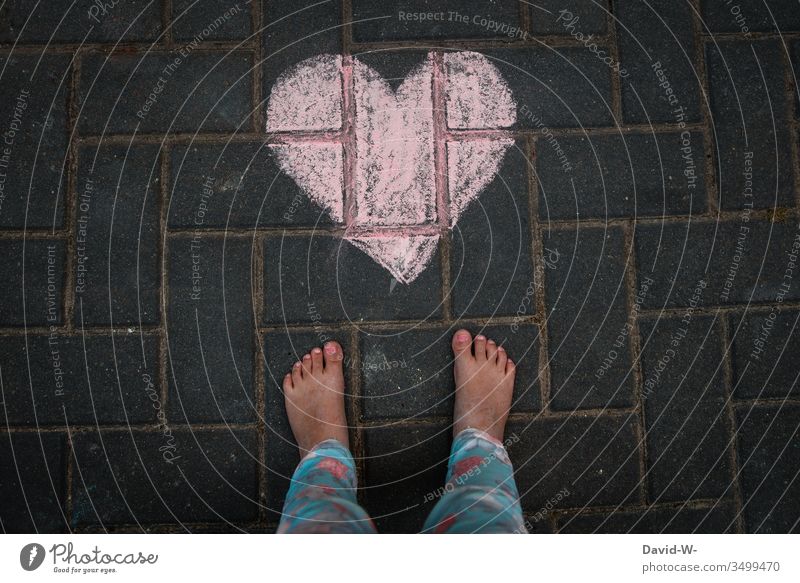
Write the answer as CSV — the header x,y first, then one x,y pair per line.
x,y
490,262
541,521
211,20
587,319
184,91
716,263
297,293
684,403
124,477
46,383
34,282
409,373
751,126
210,330
535,524
657,52
556,88
428,19
764,345
394,66
282,455
406,373
32,470
717,519
589,461
293,32
33,121
795,59
769,458
405,468
747,16
281,350
28,21
569,17
117,268
627,175
222,187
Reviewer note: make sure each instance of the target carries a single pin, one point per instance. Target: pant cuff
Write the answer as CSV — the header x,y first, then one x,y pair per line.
x,y
471,438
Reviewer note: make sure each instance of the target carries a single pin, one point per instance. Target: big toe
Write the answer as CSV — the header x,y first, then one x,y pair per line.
x,y
333,356
462,341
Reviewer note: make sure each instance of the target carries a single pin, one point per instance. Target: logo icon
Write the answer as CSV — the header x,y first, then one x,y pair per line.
x,y
31,556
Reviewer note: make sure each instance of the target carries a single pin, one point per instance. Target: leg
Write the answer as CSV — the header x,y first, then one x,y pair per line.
x,y
322,497
480,494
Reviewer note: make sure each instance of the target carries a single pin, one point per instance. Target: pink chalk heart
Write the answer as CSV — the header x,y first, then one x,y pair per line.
x,y
396,168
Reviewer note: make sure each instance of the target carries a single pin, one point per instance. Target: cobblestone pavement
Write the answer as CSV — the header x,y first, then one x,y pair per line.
x,y
636,252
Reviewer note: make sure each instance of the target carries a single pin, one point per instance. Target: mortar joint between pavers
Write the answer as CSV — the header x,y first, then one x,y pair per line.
x,y
727,382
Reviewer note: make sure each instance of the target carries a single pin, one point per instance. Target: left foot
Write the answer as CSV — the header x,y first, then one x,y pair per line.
x,y
314,394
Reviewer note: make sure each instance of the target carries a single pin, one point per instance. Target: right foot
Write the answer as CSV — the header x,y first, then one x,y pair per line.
x,y
314,394
484,385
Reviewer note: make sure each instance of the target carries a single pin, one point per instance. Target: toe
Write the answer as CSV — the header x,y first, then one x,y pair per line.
x,y
502,357
334,355
462,340
480,347
491,351
297,372
306,365
287,382
510,367
316,360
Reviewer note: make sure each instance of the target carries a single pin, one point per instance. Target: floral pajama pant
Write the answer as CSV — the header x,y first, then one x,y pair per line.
x,y
480,495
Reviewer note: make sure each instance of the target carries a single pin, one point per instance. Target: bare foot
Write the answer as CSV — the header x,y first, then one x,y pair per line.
x,y
314,393
484,385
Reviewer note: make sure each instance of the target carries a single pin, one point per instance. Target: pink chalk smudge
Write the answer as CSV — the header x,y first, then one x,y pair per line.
x,y
468,179
477,95
394,157
317,168
395,136
307,97
404,256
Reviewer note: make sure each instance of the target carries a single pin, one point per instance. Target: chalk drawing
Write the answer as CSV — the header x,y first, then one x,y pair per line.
x,y
393,167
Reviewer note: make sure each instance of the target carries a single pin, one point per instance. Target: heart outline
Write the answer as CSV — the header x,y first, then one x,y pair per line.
x,y
396,168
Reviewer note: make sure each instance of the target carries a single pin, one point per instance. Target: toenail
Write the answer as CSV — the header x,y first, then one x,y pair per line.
x,y
317,351
306,357
330,349
491,341
480,337
297,365
462,337
501,349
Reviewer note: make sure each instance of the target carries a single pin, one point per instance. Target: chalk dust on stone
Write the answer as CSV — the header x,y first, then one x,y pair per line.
x,y
394,171
404,256
472,82
471,165
307,97
317,168
394,143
